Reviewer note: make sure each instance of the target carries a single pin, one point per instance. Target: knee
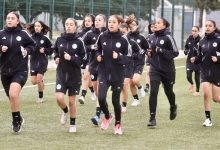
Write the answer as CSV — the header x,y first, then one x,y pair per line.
x,y
135,81
34,82
13,95
59,98
216,99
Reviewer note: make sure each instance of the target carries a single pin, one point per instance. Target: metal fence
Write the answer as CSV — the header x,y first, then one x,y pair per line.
x,y
54,12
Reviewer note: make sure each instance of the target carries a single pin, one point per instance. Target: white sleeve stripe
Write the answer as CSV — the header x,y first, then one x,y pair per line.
x,y
173,43
129,47
85,57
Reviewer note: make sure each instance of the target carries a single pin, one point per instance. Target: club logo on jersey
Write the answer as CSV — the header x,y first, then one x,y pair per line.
x,y
74,46
92,76
138,41
214,44
41,41
104,43
61,45
94,38
189,43
161,42
4,38
118,45
58,86
18,38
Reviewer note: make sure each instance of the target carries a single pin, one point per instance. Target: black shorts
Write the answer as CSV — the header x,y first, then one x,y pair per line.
x,y
193,67
94,76
63,87
34,73
164,77
18,77
129,70
138,69
210,79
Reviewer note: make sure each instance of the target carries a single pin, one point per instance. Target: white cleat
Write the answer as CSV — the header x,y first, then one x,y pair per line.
x,y
123,109
135,102
207,123
81,100
93,96
142,92
63,118
40,100
72,129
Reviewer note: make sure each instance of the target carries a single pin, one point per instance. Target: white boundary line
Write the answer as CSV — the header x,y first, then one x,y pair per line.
x,y
53,83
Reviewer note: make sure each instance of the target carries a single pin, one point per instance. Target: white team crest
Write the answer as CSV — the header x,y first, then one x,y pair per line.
x,y
58,86
189,42
138,40
161,42
18,38
118,45
61,45
4,38
104,43
41,41
74,46
214,44
94,38
92,76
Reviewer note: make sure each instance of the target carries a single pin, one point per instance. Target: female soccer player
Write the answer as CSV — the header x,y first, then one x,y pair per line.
x,y
162,68
113,49
191,48
39,60
209,59
15,46
69,54
88,24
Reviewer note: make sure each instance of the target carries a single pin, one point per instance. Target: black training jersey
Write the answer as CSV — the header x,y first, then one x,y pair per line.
x,y
164,50
16,40
109,68
70,70
40,59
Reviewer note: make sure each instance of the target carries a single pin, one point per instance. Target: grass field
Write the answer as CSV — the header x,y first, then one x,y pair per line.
x,y
43,129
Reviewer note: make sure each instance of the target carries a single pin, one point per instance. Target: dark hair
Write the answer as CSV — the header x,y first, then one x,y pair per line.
x,y
214,24
119,18
131,19
124,25
44,31
92,18
17,15
149,27
165,22
197,27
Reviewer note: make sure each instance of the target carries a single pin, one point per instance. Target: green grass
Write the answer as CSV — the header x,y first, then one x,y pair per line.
x,y
43,130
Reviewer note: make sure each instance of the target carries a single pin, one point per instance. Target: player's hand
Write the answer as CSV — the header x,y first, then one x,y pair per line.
x,y
192,59
67,56
4,48
214,58
99,58
115,55
57,60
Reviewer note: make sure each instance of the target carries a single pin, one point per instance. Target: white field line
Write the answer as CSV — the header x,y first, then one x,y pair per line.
x,y
53,83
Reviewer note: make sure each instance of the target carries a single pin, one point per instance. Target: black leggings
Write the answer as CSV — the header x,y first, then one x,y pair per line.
x,y
197,78
154,88
102,94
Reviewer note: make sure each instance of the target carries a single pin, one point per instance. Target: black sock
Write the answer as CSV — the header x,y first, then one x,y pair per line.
x,y
72,121
147,86
41,94
83,93
117,122
98,111
65,110
140,87
91,89
136,97
16,116
124,104
208,115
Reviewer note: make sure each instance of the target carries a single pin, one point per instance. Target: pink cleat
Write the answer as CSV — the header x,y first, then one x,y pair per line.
x,y
118,130
106,122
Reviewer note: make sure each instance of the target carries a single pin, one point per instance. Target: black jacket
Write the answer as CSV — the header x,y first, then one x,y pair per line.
x,y
209,46
112,69
139,56
89,40
40,59
164,50
70,70
191,47
12,60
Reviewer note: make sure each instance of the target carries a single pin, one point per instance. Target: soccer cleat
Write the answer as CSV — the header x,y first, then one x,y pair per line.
x,y
93,96
72,129
17,126
81,100
142,92
207,123
106,122
152,122
95,120
123,109
135,102
63,118
173,112
117,129
40,100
